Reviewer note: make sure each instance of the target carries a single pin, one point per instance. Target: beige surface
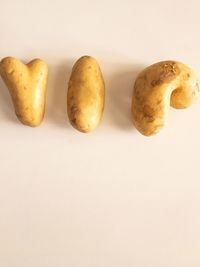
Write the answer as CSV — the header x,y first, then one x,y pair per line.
x,y
113,197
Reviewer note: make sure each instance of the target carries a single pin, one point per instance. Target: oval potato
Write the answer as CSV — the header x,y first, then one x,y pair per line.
x,y
86,94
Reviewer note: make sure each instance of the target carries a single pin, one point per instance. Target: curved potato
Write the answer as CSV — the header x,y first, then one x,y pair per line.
x,y
156,88
86,93
27,87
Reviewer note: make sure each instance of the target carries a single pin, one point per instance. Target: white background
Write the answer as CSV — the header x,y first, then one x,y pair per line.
x,y
112,198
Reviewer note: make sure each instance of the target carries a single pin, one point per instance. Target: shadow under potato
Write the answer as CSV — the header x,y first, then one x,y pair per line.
x,y
7,110
56,107
119,90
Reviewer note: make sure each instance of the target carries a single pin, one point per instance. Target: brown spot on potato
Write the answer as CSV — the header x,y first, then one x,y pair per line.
x,y
11,72
159,101
156,82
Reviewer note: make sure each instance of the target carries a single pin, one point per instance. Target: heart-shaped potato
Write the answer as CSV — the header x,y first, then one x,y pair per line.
x,y
27,87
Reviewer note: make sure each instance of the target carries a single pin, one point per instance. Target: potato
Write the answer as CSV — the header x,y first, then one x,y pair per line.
x,y
86,93
27,87
156,88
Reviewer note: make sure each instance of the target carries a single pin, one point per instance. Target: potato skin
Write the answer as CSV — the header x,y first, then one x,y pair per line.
x,y
156,88
86,95
27,87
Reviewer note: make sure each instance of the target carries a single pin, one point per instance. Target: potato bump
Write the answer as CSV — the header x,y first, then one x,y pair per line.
x,y
86,94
